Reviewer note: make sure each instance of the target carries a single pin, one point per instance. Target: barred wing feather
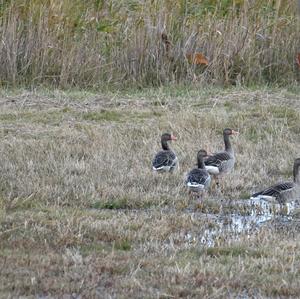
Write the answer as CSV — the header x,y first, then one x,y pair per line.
x,y
217,159
163,158
275,190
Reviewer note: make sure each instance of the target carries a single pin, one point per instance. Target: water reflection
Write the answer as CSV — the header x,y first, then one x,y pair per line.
x,y
253,214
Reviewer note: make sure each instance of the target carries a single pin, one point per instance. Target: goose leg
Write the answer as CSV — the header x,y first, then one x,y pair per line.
x,y
192,195
199,200
218,185
216,178
196,196
201,196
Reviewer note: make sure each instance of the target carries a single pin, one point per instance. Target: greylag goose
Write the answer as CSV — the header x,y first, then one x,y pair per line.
x,y
283,191
222,162
198,179
165,160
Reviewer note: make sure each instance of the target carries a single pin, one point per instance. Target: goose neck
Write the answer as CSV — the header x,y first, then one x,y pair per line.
x,y
228,147
296,173
200,162
165,145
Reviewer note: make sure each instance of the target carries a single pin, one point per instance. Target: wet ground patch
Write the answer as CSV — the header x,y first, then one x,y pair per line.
x,y
249,216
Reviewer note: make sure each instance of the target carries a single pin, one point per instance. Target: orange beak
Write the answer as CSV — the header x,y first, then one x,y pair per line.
x,y
173,137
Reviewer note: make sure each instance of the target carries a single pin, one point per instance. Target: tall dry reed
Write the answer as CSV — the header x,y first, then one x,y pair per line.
x,y
98,43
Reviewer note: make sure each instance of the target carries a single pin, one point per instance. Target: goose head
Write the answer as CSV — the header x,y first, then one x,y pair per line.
x,y
165,138
229,132
168,137
201,154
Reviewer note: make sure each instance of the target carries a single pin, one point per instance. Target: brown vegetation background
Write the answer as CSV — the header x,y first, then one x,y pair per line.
x,y
116,43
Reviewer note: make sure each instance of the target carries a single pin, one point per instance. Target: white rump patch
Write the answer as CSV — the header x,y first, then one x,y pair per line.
x,y
162,169
264,197
195,187
212,169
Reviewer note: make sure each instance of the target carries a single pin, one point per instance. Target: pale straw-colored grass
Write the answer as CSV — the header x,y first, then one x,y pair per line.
x,y
82,213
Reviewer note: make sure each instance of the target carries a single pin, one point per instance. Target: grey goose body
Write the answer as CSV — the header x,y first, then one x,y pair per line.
x,y
165,160
198,179
283,191
222,162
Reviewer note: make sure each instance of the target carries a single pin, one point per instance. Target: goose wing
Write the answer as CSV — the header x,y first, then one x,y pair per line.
x,y
275,190
217,159
199,176
163,158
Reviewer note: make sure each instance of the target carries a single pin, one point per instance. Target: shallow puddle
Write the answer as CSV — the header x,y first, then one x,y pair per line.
x,y
253,214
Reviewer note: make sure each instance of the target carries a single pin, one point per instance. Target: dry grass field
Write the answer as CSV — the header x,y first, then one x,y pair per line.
x,y
83,216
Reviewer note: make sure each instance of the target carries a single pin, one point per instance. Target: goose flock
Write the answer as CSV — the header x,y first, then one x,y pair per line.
x,y
217,165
